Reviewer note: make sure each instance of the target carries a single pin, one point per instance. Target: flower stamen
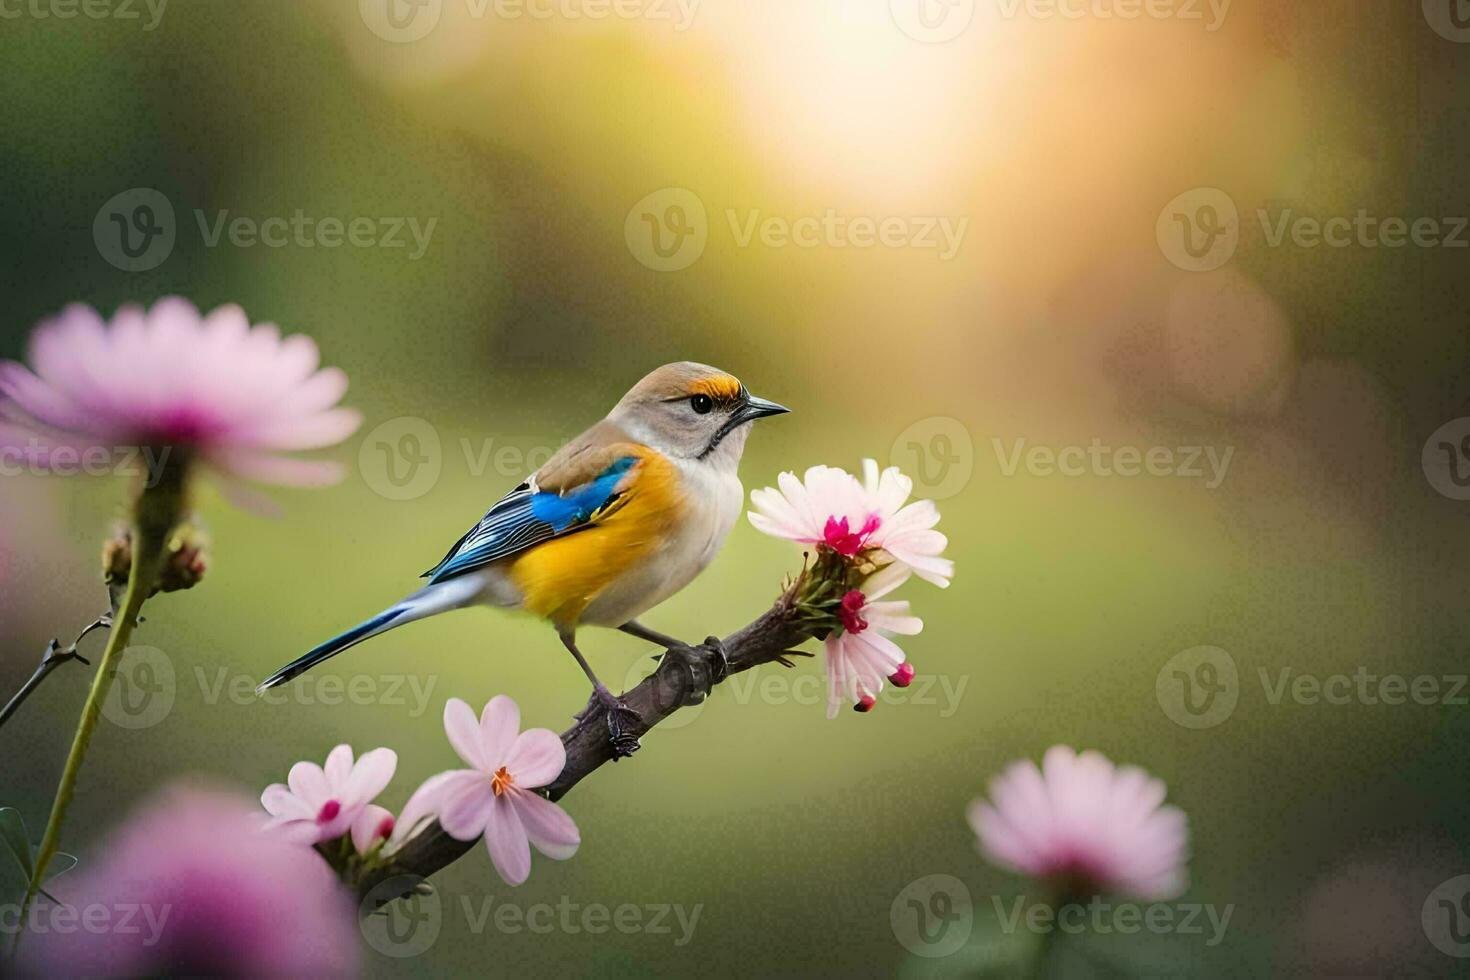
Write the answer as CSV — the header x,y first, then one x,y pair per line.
x,y
838,535
501,781
850,612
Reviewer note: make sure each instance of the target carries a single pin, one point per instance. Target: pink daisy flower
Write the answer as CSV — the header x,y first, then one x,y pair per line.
x,y
831,508
860,654
904,530
323,803
826,507
496,797
1086,825
235,397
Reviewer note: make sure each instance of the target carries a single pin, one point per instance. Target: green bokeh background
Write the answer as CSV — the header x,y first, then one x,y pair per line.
x,y
1059,321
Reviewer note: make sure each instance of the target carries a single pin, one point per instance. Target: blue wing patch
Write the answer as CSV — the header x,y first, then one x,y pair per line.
x,y
522,519
579,505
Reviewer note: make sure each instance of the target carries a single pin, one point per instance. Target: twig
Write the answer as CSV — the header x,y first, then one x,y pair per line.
x,y
684,677
54,657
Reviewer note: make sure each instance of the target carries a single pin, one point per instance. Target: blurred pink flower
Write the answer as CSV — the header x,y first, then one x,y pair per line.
x,y
860,654
235,397
496,798
191,887
321,804
1085,824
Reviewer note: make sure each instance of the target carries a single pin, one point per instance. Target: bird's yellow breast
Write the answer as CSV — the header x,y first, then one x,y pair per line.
x,y
558,578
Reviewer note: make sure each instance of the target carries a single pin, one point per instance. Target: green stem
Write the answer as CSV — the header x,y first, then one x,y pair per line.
x,y
1045,943
158,511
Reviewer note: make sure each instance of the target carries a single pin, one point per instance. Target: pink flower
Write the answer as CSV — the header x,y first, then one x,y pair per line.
x,y
860,655
906,531
319,803
193,888
831,508
233,396
826,507
496,798
376,825
1085,824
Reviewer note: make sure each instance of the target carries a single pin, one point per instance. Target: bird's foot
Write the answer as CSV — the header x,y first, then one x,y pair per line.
x,y
622,722
722,660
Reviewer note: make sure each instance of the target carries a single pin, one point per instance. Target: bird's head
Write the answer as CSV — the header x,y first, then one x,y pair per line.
x,y
692,411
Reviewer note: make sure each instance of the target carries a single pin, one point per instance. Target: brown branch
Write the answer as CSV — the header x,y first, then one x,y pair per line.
x,y
683,677
54,656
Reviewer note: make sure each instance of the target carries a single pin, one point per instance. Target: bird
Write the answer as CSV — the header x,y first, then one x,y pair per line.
x,y
619,519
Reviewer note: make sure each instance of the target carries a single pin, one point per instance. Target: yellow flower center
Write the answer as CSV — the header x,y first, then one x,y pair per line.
x,y
501,781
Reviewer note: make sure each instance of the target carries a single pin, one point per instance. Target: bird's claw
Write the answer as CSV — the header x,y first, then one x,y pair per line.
x,y
722,660
622,724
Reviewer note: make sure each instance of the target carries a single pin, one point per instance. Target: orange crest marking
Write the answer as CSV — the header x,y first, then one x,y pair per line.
x,y
720,387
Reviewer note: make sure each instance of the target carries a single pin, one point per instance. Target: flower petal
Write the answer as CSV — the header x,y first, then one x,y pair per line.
x,y
280,470
307,781
300,831
506,839
892,617
421,809
370,776
281,802
536,758
499,723
464,733
546,824
464,804
338,767
885,580
366,829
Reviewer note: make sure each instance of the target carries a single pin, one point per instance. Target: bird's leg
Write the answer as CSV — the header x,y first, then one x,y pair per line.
x,y
721,668
634,628
621,719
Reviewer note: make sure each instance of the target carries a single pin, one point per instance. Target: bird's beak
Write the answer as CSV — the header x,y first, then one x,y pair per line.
x,y
758,408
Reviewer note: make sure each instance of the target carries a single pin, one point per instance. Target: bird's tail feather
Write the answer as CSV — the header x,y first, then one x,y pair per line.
x,y
380,623
425,602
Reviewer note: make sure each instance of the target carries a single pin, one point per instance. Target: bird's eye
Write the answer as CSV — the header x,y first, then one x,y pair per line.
x,y
702,404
